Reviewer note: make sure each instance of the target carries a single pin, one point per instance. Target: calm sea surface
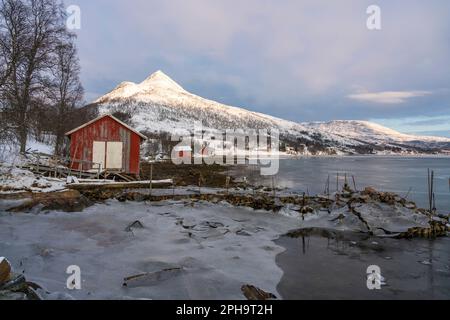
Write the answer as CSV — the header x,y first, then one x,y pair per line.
x,y
320,268
394,174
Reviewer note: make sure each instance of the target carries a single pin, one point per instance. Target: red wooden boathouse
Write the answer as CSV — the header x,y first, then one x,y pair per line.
x,y
106,142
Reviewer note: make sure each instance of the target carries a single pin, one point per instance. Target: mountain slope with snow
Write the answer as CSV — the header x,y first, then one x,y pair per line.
x,y
373,133
160,105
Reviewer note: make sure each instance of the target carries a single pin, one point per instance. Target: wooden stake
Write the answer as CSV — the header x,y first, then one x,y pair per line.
x,y
409,191
328,186
354,183
337,182
173,187
433,201
431,195
273,186
151,178
74,155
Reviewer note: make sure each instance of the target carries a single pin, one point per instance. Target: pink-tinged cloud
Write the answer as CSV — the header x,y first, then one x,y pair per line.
x,y
388,97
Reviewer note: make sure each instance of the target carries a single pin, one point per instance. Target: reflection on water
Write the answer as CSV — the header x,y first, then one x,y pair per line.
x,y
328,267
393,174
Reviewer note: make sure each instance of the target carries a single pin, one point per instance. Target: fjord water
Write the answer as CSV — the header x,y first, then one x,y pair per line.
x,y
321,268
317,267
394,174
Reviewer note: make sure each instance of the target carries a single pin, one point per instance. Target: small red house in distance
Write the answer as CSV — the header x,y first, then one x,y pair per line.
x,y
108,142
183,151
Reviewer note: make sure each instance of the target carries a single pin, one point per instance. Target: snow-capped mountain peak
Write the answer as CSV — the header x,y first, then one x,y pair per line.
x,y
157,83
159,80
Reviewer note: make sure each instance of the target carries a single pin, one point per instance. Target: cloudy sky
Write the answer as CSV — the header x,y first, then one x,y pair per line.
x,y
303,60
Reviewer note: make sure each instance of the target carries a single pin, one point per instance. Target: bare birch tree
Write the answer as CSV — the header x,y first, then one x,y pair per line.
x,y
30,31
65,90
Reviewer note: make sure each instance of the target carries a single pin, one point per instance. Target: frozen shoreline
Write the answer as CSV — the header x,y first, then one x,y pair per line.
x,y
192,249
196,243
219,248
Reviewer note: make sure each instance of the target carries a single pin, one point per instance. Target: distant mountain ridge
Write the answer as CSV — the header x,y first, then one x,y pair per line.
x,y
374,133
160,105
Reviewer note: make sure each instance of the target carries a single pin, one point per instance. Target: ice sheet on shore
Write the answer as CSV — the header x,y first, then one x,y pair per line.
x,y
219,248
376,217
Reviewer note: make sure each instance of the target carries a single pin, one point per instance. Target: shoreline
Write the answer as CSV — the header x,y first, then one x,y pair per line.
x,y
203,241
367,211
194,242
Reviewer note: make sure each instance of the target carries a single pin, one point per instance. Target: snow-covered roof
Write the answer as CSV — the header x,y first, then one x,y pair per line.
x,y
182,148
101,117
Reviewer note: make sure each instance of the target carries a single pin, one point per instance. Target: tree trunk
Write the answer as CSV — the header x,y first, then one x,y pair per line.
x,y
23,122
23,135
59,145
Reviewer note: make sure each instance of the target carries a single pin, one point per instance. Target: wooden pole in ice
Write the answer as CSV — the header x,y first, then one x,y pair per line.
x,y
151,178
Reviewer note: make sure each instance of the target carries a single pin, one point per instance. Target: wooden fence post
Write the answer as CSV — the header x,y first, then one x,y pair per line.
x,y
173,187
273,187
151,178
200,180
337,182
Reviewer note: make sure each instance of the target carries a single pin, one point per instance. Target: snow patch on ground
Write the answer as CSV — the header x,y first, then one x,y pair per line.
x,y
10,151
13,179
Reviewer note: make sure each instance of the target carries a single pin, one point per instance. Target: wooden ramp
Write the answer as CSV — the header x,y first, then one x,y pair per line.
x,y
58,167
83,186
59,171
